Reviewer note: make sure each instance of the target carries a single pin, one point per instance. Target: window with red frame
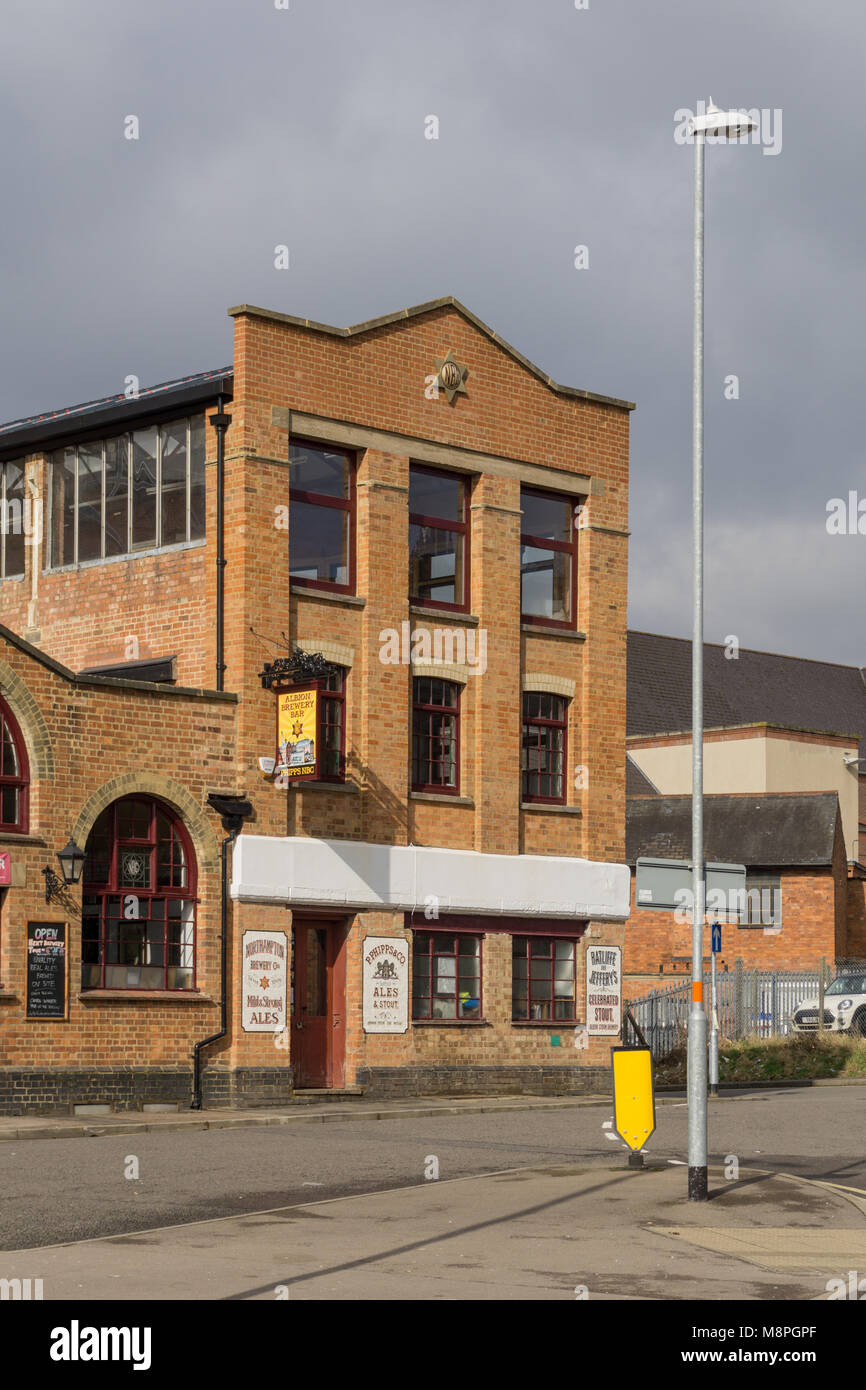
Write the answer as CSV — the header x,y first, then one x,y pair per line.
x,y
138,915
332,727
14,774
446,976
435,735
321,517
438,547
548,554
543,979
545,739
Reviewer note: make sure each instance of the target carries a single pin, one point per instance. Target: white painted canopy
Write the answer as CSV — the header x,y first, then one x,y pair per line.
x,y
351,874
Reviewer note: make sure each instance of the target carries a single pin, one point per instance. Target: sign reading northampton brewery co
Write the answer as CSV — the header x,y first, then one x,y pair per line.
x,y
603,990
264,978
297,733
47,970
386,984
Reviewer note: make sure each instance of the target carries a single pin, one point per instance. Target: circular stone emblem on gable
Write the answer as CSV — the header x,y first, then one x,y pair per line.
x,y
451,376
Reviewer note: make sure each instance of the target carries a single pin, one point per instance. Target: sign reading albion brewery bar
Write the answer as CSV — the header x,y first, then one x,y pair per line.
x,y
297,734
386,984
263,981
603,990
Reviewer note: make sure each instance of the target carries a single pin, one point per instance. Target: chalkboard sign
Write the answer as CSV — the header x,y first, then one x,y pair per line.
x,y
47,970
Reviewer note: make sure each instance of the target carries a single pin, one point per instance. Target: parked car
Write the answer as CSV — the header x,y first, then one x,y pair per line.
x,y
844,1007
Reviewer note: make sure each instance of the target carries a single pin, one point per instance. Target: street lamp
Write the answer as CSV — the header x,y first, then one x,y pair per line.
x,y
731,124
71,866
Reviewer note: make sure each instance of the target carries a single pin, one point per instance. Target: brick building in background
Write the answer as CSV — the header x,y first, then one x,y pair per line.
x,y
785,796
414,504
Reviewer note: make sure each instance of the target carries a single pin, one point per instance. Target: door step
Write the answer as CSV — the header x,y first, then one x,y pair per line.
x,y
310,1095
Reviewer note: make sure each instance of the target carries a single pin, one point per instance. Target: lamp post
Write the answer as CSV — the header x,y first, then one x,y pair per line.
x,y
731,124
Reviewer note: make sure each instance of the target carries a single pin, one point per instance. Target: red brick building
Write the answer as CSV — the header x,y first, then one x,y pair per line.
x,y
785,795
432,534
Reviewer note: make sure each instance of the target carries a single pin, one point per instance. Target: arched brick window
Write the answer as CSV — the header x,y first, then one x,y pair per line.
x,y
14,774
138,920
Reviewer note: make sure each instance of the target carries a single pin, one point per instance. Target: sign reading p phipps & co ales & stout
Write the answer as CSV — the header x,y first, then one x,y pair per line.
x,y
603,990
386,984
263,981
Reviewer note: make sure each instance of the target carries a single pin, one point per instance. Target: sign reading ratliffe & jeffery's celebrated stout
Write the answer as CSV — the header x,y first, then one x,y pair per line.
x,y
297,733
386,984
603,990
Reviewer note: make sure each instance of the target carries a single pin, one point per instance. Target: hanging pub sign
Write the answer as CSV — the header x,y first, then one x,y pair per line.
x,y
603,990
264,978
47,971
297,734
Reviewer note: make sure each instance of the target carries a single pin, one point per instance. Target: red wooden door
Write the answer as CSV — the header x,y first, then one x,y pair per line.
x,y
318,1016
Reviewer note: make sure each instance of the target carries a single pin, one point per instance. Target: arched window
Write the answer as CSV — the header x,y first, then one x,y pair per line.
x,y
138,921
14,773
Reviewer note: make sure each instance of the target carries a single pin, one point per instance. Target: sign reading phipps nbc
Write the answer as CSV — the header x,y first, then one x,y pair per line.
x,y
297,734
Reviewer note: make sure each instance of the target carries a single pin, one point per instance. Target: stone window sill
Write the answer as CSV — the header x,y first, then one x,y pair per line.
x,y
451,1023
301,786
556,810
327,596
7,996
144,996
10,837
538,630
442,798
445,614
555,1026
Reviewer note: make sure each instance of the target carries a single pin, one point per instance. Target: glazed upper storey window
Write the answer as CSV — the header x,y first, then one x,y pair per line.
x,y
548,555
18,518
14,774
438,549
321,517
135,491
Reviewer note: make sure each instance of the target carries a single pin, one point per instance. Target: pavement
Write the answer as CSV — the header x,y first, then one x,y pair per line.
x,y
592,1230
303,1111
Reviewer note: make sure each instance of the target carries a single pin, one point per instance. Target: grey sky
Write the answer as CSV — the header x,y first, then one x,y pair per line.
x,y
306,127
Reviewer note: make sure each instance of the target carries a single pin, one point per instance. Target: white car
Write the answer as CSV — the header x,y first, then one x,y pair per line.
x,y
844,1008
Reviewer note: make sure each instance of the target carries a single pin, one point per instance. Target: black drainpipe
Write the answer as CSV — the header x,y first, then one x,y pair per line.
x,y
220,422
233,811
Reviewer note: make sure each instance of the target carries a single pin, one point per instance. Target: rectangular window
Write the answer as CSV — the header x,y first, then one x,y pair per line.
x,y
545,737
438,542
332,728
321,517
548,555
435,735
16,518
446,976
134,491
543,979
763,905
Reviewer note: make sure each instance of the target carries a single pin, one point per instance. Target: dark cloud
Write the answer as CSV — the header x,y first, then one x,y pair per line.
x,y
262,126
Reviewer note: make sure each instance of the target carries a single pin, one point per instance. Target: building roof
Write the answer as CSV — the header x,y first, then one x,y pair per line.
x,y
636,781
757,687
775,831
447,302
112,411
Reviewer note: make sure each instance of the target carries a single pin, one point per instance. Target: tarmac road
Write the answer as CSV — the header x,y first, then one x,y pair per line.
x,y
59,1190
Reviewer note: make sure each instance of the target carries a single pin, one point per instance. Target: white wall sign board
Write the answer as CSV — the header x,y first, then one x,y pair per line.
x,y
264,979
603,990
386,984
